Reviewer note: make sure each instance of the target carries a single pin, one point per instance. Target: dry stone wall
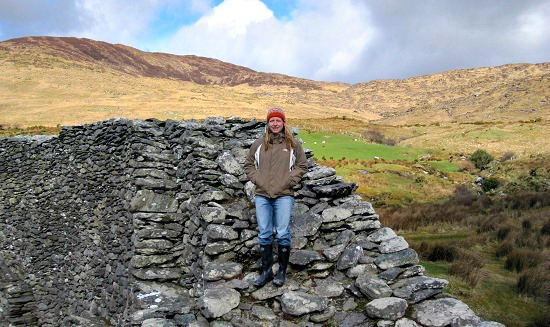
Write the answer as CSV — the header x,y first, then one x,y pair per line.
x,y
151,223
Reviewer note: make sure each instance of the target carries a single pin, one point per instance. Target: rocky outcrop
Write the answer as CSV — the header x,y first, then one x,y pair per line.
x,y
151,223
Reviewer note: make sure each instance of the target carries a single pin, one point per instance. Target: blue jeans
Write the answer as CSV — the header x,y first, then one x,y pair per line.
x,y
274,214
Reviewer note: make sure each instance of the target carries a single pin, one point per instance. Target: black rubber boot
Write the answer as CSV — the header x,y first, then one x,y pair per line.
x,y
284,254
266,274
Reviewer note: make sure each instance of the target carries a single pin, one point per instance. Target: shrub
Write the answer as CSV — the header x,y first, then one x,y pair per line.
x,y
521,259
535,282
489,184
481,159
376,136
442,252
503,231
504,248
468,267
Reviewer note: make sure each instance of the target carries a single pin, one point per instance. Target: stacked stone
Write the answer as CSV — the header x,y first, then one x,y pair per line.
x,y
169,203
64,220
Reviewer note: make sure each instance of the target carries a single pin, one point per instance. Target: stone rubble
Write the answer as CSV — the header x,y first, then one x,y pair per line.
x,y
151,223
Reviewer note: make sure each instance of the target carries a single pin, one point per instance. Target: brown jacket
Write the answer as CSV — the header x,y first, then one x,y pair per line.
x,y
275,174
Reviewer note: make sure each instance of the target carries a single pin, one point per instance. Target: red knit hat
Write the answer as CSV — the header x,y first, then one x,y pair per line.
x,y
275,112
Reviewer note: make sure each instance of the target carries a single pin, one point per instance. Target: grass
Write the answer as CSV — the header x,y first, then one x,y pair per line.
x,y
337,146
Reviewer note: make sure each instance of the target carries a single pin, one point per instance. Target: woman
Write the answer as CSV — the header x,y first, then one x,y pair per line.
x,y
275,163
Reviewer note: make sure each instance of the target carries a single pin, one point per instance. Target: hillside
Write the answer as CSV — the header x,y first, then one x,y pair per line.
x,y
54,80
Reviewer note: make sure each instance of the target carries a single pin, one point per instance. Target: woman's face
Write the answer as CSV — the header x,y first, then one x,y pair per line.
x,y
276,125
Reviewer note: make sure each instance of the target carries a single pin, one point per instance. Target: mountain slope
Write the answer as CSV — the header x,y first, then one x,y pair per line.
x,y
59,80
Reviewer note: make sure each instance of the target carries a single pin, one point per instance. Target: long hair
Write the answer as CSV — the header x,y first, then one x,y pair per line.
x,y
289,139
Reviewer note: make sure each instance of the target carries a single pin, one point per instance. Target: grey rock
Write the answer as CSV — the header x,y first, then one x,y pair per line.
x,y
328,288
405,322
218,301
321,181
154,246
159,217
323,316
298,303
319,172
142,261
390,274
270,291
334,252
304,257
384,323
441,312
263,313
335,190
349,257
217,232
390,308
214,196
381,234
359,207
229,164
218,247
250,191
393,245
305,224
362,269
412,271
409,288
164,297
149,201
221,270
213,214
335,214
230,181
396,259
373,287
159,274
158,322
361,225
351,319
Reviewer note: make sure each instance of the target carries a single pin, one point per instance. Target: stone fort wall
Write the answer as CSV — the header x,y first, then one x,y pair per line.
x,y
151,223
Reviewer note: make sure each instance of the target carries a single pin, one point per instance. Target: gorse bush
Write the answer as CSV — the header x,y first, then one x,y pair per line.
x,y
481,159
489,184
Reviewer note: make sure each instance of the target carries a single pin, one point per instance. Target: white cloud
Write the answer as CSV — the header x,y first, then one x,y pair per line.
x,y
320,40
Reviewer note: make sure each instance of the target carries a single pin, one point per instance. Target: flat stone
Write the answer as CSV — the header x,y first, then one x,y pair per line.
x,y
159,217
393,245
362,269
381,234
405,322
351,319
323,316
229,164
159,274
214,271
390,308
212,214
263,313
396,259
442,312
164,297
335,214
270,291
335,190
142,261
373,287
328,288
158,322
319,172
218,247
304,257
418,288
154,246
361,225
298,303
359,207
217,232
149,201
218,301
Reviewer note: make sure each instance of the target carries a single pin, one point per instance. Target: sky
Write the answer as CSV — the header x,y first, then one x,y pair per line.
x,y
331,40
